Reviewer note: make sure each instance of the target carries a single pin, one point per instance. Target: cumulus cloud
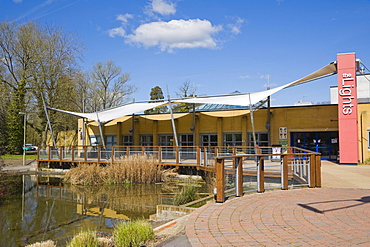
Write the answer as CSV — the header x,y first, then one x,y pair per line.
x,y
175,34
163,7
119,31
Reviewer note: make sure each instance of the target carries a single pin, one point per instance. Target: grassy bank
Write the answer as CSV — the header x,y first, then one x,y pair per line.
x,y
134,169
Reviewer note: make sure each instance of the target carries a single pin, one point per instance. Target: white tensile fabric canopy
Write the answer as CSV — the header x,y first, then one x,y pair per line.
x,y
245,99
248,99
108,115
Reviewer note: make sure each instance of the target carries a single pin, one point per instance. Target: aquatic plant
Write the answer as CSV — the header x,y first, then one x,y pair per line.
x,y
132,169
84,239
187,194
132,233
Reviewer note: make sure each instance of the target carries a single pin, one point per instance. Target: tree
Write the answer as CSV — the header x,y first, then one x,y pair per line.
x,y
109,86
186,89
36,61
156,95
16,54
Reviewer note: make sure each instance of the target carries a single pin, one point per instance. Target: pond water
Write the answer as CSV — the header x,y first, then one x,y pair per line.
x,y
46,209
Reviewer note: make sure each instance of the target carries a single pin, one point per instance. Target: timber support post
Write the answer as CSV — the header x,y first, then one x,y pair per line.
x,y
220,180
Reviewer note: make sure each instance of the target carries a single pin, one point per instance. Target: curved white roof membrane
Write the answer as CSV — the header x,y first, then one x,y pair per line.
x,y
108,115
246,99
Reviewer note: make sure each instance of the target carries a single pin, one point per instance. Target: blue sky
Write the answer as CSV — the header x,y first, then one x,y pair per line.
x,y
218,46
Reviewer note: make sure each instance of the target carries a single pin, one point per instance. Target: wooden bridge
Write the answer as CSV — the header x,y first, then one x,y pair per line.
x,y
237,168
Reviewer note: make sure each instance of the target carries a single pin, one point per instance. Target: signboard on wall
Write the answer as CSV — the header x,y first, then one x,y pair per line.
x,y
283,132
347,108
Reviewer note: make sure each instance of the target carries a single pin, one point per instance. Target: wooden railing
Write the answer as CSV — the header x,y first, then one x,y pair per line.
x,y
167,155
290,168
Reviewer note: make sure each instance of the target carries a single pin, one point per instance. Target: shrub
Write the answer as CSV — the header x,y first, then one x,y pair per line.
x,y
84,239
185,195
133,233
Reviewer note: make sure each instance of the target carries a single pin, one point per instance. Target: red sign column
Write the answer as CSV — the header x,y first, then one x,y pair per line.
x,y
347,108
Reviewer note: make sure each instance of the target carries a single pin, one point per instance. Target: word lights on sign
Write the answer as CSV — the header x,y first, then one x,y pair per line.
x,y
346,93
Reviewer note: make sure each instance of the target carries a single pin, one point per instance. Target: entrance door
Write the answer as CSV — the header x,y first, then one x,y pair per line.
x,y
325,143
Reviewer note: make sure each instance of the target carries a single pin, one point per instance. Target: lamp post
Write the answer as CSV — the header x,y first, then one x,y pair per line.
x,y
24,137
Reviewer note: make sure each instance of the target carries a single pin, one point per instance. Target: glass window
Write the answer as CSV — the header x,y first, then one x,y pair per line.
x,y
127,140
208,139
232,139
165,140
146,140
186,140
261,139
95,140
111,140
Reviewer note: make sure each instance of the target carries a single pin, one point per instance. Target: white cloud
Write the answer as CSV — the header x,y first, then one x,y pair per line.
x,y
236,27
119,31
124,18
175,34
162,7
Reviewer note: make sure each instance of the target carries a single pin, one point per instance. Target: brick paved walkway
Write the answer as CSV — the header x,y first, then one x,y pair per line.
x,y
297,217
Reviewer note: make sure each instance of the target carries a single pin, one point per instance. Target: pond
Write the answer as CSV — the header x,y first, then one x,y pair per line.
x,y
46,209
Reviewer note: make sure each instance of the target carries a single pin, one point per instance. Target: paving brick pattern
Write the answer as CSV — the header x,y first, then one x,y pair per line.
x,y
296,217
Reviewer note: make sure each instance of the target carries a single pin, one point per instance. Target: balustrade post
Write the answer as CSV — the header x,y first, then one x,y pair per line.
x,y
177,155
318,171
220,180
205,156
198,157
112,155
261,174
61,156
160,154
99,152
239,176
312,165
284,173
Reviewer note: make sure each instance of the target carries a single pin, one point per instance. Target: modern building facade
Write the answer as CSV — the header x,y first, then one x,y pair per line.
x,y
339,131
313,127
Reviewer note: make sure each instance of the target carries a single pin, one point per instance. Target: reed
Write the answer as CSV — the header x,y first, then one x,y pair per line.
x,y
133,233
134,169
187,194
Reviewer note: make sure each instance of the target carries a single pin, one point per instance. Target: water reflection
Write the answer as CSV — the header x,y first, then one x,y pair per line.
x,y
46,209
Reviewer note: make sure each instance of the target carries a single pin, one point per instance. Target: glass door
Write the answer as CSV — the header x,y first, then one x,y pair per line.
x,y
325,143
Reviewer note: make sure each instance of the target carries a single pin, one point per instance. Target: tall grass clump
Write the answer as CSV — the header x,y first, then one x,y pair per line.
x,y
133,233
134,169
84,239
48,243
187,194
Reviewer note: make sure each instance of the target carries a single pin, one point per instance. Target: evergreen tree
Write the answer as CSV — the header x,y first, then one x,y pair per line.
x,y
156,95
